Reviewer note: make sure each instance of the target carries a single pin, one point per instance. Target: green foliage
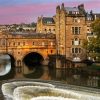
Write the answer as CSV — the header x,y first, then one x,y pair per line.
x,y
93,45
96,27
96,41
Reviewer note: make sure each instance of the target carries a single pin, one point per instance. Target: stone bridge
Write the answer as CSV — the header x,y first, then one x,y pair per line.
x,y
20,45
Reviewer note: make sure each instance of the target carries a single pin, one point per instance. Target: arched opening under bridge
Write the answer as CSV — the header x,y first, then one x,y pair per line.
x,y
7,66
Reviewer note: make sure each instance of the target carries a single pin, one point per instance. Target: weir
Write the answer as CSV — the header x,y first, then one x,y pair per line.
x,y
30,89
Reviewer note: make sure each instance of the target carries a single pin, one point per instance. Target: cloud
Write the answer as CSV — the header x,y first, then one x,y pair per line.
x,y
24,12
30,12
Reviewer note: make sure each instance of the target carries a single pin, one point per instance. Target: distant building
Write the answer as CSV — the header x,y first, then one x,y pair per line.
x,y
18,27
45,25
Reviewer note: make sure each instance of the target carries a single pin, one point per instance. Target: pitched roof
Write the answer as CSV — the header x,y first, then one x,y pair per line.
x,y
75,9
48,20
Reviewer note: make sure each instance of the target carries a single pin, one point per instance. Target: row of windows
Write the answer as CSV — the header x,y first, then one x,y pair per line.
x,y
76,50
76,20
50,30
50,51
73,12
3,42
33,43
75,30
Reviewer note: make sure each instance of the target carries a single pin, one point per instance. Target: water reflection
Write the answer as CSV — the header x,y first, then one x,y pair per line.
x,y
77,76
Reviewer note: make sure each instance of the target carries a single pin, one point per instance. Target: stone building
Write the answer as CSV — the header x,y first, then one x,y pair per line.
x,y
45,25
71,30
19,45
71,26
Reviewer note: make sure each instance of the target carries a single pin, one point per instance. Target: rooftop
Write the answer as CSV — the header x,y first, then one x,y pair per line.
x,y
73,9
48,20
33,35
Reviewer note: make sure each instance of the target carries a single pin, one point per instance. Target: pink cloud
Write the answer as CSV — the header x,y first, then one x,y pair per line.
x,y
29,13
34,8
23,13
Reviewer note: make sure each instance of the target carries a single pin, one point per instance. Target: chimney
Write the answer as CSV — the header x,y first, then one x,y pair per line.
x,y
81,6
62,6
58,8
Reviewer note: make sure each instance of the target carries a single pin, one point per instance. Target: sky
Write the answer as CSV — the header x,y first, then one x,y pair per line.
x,y
27,11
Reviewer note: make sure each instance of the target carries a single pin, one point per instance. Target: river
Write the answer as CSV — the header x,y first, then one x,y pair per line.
x,y
76,76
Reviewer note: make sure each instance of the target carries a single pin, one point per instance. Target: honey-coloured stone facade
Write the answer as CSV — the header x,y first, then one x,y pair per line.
x,y
70,24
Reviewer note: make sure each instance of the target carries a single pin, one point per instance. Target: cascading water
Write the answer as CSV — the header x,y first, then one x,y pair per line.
x,y
24,90
51,98
29,92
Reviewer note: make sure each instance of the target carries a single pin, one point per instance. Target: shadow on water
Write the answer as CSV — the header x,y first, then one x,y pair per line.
x,y
37,73
76,76
87,75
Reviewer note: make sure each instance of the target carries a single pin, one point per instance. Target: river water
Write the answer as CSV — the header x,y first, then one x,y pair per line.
x,y
76,76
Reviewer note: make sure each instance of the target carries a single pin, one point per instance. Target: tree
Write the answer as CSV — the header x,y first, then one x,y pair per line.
x,y
96,40
93,45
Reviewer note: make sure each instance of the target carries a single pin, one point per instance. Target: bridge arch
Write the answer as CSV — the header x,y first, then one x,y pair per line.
x,y
32,59
33,51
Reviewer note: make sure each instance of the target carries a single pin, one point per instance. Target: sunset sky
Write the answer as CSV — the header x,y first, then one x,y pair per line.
x,y
27,11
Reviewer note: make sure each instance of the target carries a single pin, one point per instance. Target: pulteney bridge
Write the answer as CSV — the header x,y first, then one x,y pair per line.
x,y
25,48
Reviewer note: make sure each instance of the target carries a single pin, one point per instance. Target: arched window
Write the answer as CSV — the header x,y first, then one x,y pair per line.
x,y
76,41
